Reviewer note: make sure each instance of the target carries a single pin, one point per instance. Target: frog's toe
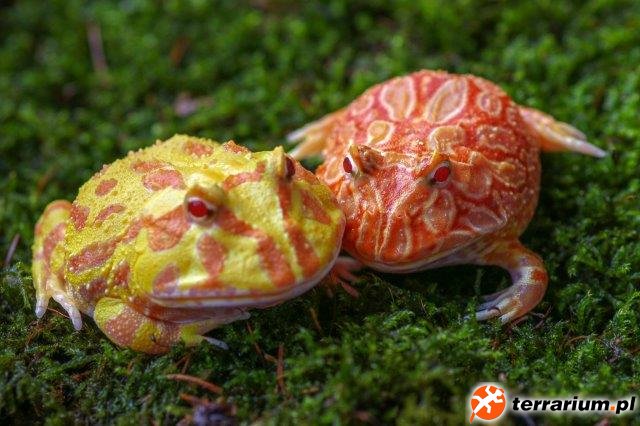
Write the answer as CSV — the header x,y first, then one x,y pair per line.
x,y
507,306
74,314
529,282
489,298
69,306
345,268
53,290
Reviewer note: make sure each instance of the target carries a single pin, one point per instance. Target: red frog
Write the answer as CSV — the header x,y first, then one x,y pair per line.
x,y
434,169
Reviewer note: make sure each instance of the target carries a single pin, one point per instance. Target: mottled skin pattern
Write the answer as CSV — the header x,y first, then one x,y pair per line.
x,y
183,236
435,169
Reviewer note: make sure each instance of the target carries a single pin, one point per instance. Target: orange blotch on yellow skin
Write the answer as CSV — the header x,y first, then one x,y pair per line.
x,y
159,179
197,149
122,274
52,240
167,280
92,256
313,209
167,230
212,255
306,255
108,211
240,178
105,187
146,166
271,258
79,215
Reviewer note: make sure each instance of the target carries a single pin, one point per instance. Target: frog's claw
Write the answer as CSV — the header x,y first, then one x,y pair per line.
x,y
555,135
48,259
529,282
312,137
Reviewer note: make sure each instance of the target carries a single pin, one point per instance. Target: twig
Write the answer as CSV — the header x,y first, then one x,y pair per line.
x,y
12,250
98,58
192,399
314,317
44,180
178,50
196,381
280,370
255,344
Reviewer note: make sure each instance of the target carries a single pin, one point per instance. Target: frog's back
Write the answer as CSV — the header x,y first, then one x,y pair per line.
x,y
109,210
470,120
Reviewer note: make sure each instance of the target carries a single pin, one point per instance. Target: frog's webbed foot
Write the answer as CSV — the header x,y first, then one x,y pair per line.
x,y
312,137
529,282
555,135
48,258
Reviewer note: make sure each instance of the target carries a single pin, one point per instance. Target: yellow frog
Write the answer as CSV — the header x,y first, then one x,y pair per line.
x,y
183,236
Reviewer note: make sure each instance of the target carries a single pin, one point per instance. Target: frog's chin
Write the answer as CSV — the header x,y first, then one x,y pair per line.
x,y
243,299
455,256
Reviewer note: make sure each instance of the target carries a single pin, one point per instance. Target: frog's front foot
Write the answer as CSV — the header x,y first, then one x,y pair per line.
x,y
343,274
344,269
128,327
48,253
529,282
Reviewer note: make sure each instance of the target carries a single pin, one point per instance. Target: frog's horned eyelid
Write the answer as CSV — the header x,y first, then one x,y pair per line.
x,y
363,159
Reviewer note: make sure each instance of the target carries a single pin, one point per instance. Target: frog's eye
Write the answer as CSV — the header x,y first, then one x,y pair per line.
x,y
289,167
440,175
348,166
199,209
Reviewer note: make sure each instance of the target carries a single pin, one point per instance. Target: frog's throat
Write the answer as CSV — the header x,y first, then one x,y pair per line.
x,y
455,256
247,300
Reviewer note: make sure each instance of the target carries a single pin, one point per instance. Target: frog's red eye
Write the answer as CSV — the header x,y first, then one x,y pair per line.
x,y
347,165
198,208
441,174
289,167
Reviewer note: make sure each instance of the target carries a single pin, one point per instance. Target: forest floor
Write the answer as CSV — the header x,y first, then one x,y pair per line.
x,y
81,84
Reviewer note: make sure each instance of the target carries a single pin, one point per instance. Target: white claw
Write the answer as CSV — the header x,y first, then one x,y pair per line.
x,y
217,343
70,307
41,306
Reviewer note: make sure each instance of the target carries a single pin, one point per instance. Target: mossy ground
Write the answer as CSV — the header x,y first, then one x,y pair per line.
x,y
402,350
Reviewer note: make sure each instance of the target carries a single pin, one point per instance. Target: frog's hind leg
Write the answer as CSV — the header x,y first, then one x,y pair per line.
x,y
48,261
130,328
557,136
529,282
312,138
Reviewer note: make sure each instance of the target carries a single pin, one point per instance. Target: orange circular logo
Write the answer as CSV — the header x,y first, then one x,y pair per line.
x,y
488,402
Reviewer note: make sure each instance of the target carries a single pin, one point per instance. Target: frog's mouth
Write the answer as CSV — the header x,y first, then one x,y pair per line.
x,y
234,298
453,256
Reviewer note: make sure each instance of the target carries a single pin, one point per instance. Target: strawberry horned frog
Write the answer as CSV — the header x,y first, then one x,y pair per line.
x,y
183,236
435,169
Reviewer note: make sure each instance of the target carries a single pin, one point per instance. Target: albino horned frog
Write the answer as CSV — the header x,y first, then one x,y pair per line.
x,y
435,169
183,236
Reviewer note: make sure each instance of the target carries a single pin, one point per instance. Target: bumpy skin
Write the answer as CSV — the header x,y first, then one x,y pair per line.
x,y
130,252
435,169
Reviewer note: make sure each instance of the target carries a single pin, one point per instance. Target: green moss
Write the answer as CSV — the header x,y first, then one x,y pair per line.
x,y
401,351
